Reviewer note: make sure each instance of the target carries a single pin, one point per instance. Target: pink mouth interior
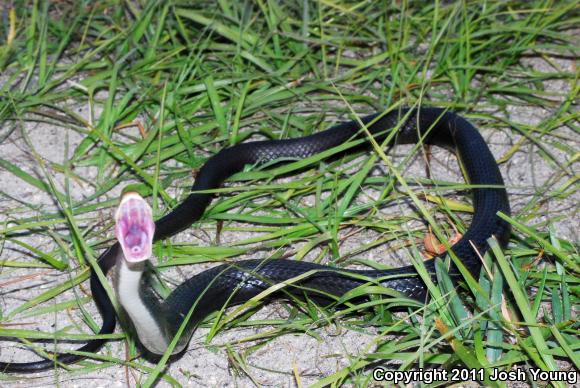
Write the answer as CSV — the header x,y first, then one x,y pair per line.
x,y
135,228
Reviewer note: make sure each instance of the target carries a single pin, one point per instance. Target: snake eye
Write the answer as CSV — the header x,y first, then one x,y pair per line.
x,y
134,227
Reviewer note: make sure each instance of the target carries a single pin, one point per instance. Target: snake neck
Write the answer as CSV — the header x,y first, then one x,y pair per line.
x,y
130,281
144,308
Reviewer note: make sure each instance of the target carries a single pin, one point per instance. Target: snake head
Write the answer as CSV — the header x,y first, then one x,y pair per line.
x,y
134,227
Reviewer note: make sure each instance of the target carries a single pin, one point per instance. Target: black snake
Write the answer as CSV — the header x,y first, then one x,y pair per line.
x,y
238,282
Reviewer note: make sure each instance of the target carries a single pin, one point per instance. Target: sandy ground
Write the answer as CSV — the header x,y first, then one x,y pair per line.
x,y
274,364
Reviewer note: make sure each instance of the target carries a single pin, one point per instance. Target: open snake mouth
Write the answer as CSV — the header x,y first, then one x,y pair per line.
x,y
134,227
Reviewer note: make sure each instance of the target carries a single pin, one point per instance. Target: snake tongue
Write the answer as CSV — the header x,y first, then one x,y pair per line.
x,y
134,227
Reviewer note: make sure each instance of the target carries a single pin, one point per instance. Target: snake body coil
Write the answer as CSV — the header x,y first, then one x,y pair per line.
x,y
236,283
